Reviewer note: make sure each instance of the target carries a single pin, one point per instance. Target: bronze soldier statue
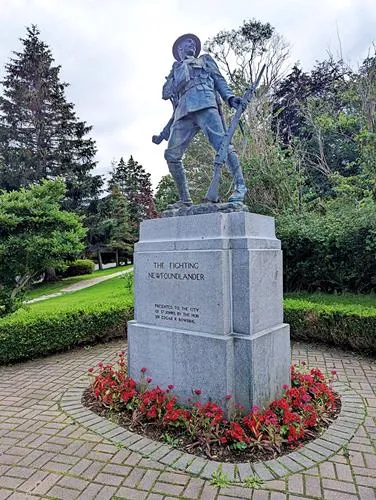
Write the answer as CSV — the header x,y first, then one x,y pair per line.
x,y
193,86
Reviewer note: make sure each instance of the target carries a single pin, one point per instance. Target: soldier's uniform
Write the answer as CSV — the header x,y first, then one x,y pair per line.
x,y
192,85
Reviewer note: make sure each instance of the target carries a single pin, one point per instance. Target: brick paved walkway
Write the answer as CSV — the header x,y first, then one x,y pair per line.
x,y
46,454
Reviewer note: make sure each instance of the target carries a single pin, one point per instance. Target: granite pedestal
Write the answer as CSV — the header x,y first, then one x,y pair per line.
x,y
208,308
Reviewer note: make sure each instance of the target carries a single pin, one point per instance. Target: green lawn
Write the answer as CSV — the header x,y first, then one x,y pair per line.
x,y
112,290
344,299
48,288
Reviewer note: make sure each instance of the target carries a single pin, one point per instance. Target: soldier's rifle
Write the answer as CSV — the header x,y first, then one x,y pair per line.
x,y
221,156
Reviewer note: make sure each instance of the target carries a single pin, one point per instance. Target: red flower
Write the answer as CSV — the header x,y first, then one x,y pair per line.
x,y
148,380
198,391
143,370
171,387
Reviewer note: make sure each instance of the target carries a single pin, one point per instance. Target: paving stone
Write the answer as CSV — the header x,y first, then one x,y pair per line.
x,y
134,477
20,472
183,462
338,485
301,459
244,471
131,494
275,485
367,493
168,489
148,480
193,488
261,495
63,493
290,464
327,470
236,492
74,483
91,492
295,483
344,472
174,478
338,495
262,472
106,493
209,492
37,436
197,465
277,468
120,470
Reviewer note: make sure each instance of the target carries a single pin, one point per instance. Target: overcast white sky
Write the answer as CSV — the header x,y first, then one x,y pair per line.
x,y
116,53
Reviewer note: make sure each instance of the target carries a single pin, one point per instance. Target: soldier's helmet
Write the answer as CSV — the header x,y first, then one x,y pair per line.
x,y
178,41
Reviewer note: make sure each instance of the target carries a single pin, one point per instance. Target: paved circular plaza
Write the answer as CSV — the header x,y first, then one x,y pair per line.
x,y
50,447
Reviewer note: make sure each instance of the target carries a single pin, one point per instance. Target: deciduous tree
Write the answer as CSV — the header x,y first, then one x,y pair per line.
x,y
35,233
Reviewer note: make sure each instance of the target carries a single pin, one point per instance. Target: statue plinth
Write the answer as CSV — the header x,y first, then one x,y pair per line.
x,y
208,307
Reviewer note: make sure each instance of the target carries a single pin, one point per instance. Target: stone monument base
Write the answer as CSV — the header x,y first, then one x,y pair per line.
x,y
252,370
208,308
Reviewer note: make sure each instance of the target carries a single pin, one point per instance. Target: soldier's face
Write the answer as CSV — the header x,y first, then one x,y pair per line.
x,y
187,48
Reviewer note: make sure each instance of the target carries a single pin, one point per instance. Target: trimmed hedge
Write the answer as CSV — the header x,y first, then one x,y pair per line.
x,y
27,336
345,325
330,251
79,267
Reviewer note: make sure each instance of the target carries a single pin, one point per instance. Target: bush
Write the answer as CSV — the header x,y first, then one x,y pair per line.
x,y
346,325
94,314
80,267
330,251
30,334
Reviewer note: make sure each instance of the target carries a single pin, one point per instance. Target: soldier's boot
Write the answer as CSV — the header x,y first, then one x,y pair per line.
x,y
177,172
237,175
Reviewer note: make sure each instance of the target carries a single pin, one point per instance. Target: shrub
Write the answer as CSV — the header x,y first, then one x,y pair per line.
x,y
80,267
330,251
32,334
346,325
94,314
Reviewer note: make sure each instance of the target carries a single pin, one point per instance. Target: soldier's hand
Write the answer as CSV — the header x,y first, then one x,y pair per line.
x,y
236,102
157,139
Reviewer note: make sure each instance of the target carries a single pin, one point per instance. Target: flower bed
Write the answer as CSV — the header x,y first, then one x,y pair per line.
x,y
306,408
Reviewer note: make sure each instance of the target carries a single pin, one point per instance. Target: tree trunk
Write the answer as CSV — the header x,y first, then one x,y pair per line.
x,y
117,258
100,263
50,275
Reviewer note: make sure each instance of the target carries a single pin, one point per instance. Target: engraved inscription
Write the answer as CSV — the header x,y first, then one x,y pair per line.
x,y
177,313
163,271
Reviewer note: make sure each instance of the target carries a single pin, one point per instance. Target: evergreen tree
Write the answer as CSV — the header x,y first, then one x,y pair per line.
x,y
134,184
110,228
166,193
40,134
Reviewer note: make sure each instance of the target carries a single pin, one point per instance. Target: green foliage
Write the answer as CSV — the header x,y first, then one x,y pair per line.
x,y
133,182
39,289
220,478
40,134
273,176
253,482
166,193
110,225
330,248
95,314
34,234
337,322
31,335
128,280
80,267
